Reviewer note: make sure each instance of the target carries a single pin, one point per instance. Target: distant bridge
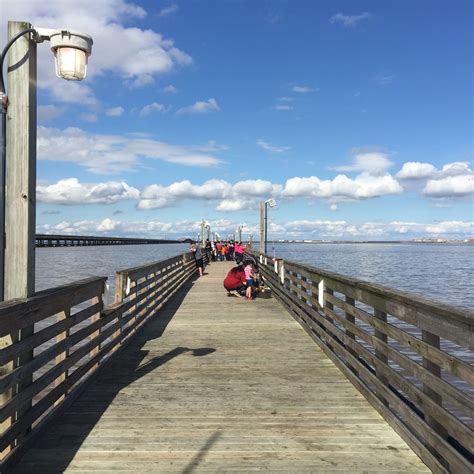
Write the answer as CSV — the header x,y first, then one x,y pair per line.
x,y
46,240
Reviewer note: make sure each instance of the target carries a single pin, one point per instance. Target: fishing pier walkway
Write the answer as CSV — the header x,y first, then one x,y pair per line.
x,y
176,376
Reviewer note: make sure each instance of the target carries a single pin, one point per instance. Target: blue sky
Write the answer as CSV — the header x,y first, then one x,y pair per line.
x,y
356,116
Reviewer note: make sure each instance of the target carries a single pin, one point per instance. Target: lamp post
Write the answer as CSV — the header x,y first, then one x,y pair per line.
x,y
239,232
18,144
204,225
263,223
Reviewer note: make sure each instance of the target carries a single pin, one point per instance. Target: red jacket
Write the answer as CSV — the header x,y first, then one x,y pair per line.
x,y
234,280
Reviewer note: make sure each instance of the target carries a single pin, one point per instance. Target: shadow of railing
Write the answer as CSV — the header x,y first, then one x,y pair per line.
x,y
70,431
196,460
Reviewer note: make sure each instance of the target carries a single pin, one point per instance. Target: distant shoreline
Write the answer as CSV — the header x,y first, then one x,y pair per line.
x,y
457,242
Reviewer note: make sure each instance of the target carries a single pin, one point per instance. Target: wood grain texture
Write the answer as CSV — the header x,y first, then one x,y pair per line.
x,y
218,384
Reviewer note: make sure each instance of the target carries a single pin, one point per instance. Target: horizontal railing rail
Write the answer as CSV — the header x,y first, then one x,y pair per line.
x,y
59,338
411,358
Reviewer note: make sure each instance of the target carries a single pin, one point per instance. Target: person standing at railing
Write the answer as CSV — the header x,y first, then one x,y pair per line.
x,y
197,252
238,251
208,249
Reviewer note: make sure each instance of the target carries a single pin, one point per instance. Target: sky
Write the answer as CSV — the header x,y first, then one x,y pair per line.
x,y
356,116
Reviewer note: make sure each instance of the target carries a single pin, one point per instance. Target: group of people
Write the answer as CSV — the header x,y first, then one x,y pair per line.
x,y
244,279
220,251
217,251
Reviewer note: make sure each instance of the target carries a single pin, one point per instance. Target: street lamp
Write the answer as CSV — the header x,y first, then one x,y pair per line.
x,y
263,223
71,50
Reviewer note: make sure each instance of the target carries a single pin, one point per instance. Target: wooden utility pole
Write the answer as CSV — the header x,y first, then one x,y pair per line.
x,y
20,178
20,208
262,228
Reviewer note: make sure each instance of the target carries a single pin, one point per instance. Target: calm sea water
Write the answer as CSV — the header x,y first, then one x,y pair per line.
x,y
439,272
60,265
444,273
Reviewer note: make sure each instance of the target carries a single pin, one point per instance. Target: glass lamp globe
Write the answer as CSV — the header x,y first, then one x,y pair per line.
x,y
71,63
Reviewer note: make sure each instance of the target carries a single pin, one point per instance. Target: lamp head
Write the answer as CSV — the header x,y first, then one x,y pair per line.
x,y
271,202
71,50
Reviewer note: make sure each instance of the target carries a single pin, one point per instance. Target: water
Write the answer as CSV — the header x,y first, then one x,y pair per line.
x,y
61,265
443,273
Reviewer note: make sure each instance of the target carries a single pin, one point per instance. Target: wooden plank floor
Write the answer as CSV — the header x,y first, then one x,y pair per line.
x,y
222,385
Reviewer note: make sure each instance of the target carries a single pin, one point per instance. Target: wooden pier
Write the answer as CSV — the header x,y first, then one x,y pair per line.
x,y
177,377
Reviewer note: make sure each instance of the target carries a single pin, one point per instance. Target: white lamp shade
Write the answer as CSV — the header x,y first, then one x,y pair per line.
x,y
71,63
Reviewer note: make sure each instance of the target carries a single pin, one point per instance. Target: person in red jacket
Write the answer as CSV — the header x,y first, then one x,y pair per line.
x,y
235,282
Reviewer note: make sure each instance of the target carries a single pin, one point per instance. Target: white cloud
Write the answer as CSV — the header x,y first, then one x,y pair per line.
x,y
107,225
49,112
142,80
303,89
349,20
108,154
455,169
285,99
316,229
450,186
170,89
364,186
383,79
416,170
211,146
200,107
173,8
454,180
282,107
151,108
273,148
88,117
374,163
132,53
241,195
157,196
115,111
71,191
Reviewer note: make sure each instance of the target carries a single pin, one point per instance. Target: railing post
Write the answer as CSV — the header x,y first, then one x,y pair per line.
x,y
351,319
381,316
435,369
330,306
95,334
63,315
120,284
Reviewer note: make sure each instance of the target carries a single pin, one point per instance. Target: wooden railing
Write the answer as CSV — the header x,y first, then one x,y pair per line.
x,y
410,358
61,337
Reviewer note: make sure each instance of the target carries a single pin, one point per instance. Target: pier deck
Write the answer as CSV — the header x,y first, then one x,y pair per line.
x,y
220,384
